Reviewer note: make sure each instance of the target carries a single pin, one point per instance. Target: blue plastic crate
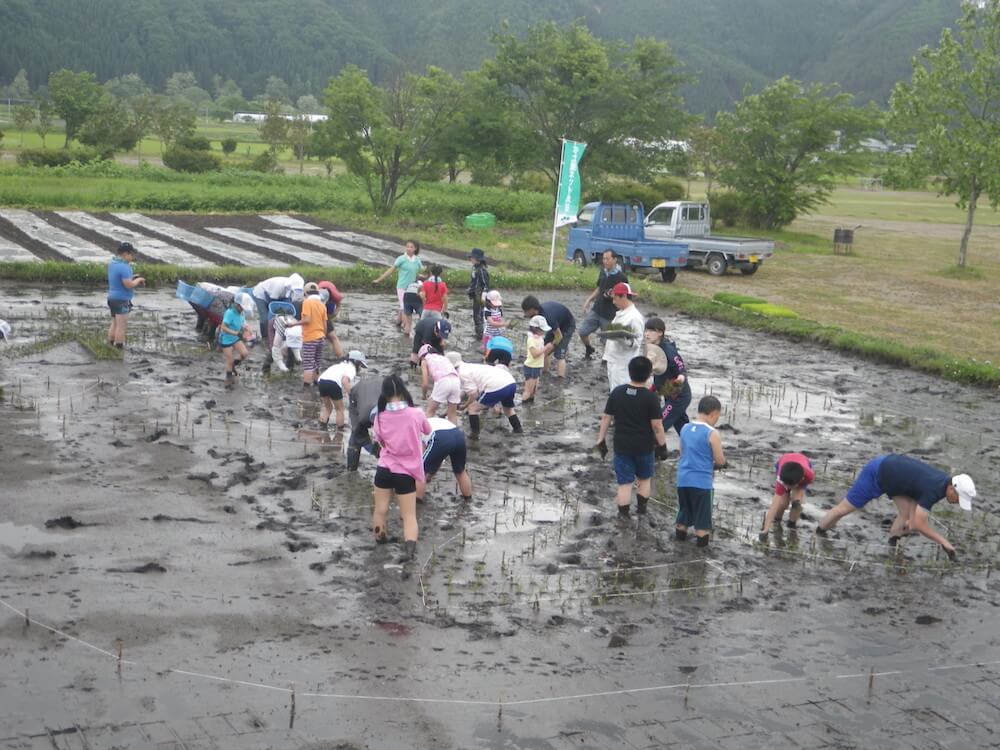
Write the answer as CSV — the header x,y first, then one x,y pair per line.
x,y
184,291
201,298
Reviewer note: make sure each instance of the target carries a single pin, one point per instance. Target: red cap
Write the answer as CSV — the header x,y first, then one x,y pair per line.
x,y
622,288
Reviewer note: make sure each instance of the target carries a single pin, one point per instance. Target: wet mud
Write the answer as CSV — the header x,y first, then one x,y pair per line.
x,y
217,537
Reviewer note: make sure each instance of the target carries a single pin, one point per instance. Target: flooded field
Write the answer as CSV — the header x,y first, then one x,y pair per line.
x,y
185,566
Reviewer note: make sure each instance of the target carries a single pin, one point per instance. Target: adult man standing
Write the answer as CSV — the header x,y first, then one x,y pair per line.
x,y
598,307
479,283
561,322
625,340
121,286
913,486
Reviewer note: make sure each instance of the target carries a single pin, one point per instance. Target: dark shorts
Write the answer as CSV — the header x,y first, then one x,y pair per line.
x,y
694,508
629,468
567,336
119,306
866,487
531,373
330,389
412,304
504,397
329,326
401,484
445,444
675,411
498,355
228,345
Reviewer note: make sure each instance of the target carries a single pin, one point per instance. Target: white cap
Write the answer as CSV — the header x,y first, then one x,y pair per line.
x,y
358,356
494,298
4,330
245,301
966,490
539,322
296,282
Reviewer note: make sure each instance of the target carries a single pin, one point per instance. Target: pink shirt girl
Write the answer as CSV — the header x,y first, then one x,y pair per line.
x,y
399,431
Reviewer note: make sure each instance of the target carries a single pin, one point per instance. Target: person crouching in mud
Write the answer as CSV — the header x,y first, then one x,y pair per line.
x,y
398,427
915,487
795,473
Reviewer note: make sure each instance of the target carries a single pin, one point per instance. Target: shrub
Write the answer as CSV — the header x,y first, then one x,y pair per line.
x,y
187,160
194,143
265,161
42,157
228,145
668,189
626,191
726,208
535,182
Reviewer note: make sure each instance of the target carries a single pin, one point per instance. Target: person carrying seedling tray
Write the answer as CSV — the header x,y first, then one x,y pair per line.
x,y
671,382
914,487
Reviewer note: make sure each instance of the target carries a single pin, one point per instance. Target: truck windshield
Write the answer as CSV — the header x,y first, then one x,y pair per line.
x,y
662,215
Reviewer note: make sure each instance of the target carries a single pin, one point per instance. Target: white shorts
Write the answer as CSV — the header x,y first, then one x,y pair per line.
x,y
399,296
447,390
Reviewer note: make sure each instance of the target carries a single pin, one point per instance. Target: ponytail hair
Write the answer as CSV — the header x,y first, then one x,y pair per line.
x,y
393,386
436,272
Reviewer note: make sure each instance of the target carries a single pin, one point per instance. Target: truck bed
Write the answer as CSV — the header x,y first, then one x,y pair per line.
x,y
730,245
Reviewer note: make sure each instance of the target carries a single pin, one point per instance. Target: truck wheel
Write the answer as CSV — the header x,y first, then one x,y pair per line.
x,y
580,258
716,264
669,275
750,270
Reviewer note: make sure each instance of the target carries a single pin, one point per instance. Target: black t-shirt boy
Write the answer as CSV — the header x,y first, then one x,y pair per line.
x,y
603,305
633,410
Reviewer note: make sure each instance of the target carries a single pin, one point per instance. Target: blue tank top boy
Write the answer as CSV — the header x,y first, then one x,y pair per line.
x,y
232,319
697,465
119,270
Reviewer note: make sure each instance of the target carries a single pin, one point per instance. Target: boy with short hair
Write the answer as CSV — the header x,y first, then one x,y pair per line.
x,y
795,473
638,436
701,455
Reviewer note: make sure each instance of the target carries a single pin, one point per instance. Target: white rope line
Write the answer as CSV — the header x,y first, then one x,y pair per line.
x,y
479,702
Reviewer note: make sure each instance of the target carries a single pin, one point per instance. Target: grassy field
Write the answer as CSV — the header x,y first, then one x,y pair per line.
x,y
900,284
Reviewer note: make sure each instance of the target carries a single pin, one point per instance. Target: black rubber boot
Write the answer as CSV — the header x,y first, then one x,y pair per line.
x,y
642,502
515,423
680,534
624,511
474,425
703,541
411,550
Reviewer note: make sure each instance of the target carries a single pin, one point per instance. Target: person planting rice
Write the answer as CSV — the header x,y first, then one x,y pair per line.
x,y
436,368
671,383
231,335
434,331
914,486
363,403
499,351
434,293
336,382
493,320
561,322
445,441
635,411
398,427
121,290
286,343
486,386
275,289
331,298
795,473
5,331
701,455
627,342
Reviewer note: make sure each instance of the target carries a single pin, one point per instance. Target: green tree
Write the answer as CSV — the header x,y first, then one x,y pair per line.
x,y
388,136
19,87
783,149
127,87
276,88
308,104
110,127
228,145
274,127
624,102
299,129
951,110
173,120
44,122
75,97
144,112
24,115
703,153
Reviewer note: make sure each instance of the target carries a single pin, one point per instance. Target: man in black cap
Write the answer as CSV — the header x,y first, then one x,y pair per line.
x,y
121,285
478,286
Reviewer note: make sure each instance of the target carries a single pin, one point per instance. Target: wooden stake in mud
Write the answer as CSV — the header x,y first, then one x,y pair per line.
x,y
118,642
291,715
27,618
499,713
871,682
687,688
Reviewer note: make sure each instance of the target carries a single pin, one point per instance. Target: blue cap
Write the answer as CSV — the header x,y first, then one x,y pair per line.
x,y
500,343
443,329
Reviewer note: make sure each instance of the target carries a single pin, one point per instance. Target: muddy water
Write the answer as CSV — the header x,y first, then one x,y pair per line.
x,y
217,533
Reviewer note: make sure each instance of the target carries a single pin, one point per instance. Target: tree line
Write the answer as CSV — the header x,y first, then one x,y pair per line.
x,y
777,154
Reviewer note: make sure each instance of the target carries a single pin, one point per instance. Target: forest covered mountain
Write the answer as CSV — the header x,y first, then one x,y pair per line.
x,y
865,45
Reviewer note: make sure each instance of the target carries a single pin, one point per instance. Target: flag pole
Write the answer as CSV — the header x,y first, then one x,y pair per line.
x,y
555,213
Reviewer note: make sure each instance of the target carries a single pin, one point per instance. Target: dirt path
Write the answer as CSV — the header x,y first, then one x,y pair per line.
x,y
220,539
